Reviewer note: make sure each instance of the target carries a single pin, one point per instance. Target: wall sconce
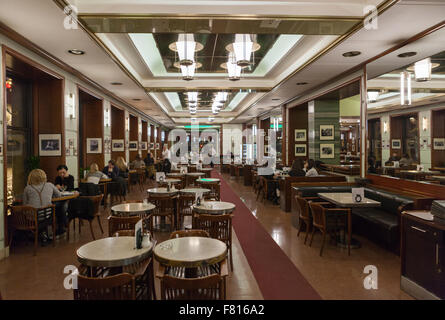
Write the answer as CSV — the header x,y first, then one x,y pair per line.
x,y
385,127
127,124
425,123
71,107
107,117
405,88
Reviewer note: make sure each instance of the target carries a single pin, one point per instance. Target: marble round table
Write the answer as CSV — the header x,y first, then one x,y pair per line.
x,y
132,209
163,191
175,174
112,252
190,252
195,174
214,207
169,180
208,180
195,190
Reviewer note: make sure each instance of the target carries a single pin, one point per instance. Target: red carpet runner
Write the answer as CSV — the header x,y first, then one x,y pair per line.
x,y
276,275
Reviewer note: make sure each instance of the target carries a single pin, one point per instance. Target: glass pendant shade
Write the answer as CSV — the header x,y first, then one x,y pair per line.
x,y
186,46
422,70
405,88
233,69
188,72
242,47
192,97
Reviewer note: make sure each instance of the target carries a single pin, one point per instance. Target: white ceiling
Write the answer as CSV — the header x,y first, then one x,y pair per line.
x,y
41,21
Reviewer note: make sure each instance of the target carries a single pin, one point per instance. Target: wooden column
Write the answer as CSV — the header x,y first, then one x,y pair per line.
x,y
133,135
117,130
91,112
144,138
298,119
284,135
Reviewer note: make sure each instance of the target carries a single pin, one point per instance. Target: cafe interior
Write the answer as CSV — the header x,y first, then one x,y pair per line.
x,y
222,150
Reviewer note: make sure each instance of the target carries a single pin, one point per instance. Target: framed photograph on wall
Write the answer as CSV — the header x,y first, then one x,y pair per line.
x,y
327,151
396,143
118,145
300,150
152,145
157,146
50,144
300,135
143,145
439,143
133,146
327,132
94,145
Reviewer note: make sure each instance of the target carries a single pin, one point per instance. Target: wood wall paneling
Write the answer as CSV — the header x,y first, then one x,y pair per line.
x,y
144,137
298,119
133,134
91,113
437,131
117,129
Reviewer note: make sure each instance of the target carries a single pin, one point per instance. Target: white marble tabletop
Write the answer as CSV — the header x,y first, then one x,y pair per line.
x,y
344,200
208,180
190,251
206,169
195,174
133,208
175,174
168,180
163,190
214,207
195,190
112,252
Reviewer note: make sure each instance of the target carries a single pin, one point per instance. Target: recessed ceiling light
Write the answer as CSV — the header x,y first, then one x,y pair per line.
x,y
116,83
76,52
276,99
407,54
351,54
301,83
136,99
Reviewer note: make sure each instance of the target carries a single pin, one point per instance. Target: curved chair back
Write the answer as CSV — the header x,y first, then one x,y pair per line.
x,y
205,288
318,215
116,224
117,287
303,205
189,233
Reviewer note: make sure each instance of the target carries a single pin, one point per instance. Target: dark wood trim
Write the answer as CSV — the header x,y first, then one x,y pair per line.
x,y
91,93
5,150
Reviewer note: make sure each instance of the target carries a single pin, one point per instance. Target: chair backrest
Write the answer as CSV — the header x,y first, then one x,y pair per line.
x,y
205,288
96,201
218,226
318,215
132,201
186,200
189,233
303,205
124,233
117,287
161,202
89,189
116,224
23,218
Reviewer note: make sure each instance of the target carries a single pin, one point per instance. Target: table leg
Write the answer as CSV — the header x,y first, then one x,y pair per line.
x,y
349,231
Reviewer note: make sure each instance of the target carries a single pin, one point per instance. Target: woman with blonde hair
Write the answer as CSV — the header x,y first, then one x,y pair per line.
x,y
94,175
121,164
39,193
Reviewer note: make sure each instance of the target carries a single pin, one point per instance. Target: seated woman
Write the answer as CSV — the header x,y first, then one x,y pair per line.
x,y
64,181
405,161
309,167
94,175
121,164
39,193
150,165
297,168
137,163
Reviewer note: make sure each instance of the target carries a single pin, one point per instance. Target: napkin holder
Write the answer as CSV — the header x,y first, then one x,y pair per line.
x,y
358,194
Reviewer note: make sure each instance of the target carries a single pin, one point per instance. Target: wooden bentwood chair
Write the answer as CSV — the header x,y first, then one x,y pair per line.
x,y
26,218
117,287
326,220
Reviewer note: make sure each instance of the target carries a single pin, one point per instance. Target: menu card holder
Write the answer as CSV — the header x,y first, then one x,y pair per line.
x,y
358,194
138,234
160,176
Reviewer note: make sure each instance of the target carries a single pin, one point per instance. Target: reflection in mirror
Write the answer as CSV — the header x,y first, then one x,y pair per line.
x,y
406,111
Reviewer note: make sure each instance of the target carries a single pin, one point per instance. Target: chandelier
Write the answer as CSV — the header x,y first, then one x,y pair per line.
x,y
185,46
405,88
